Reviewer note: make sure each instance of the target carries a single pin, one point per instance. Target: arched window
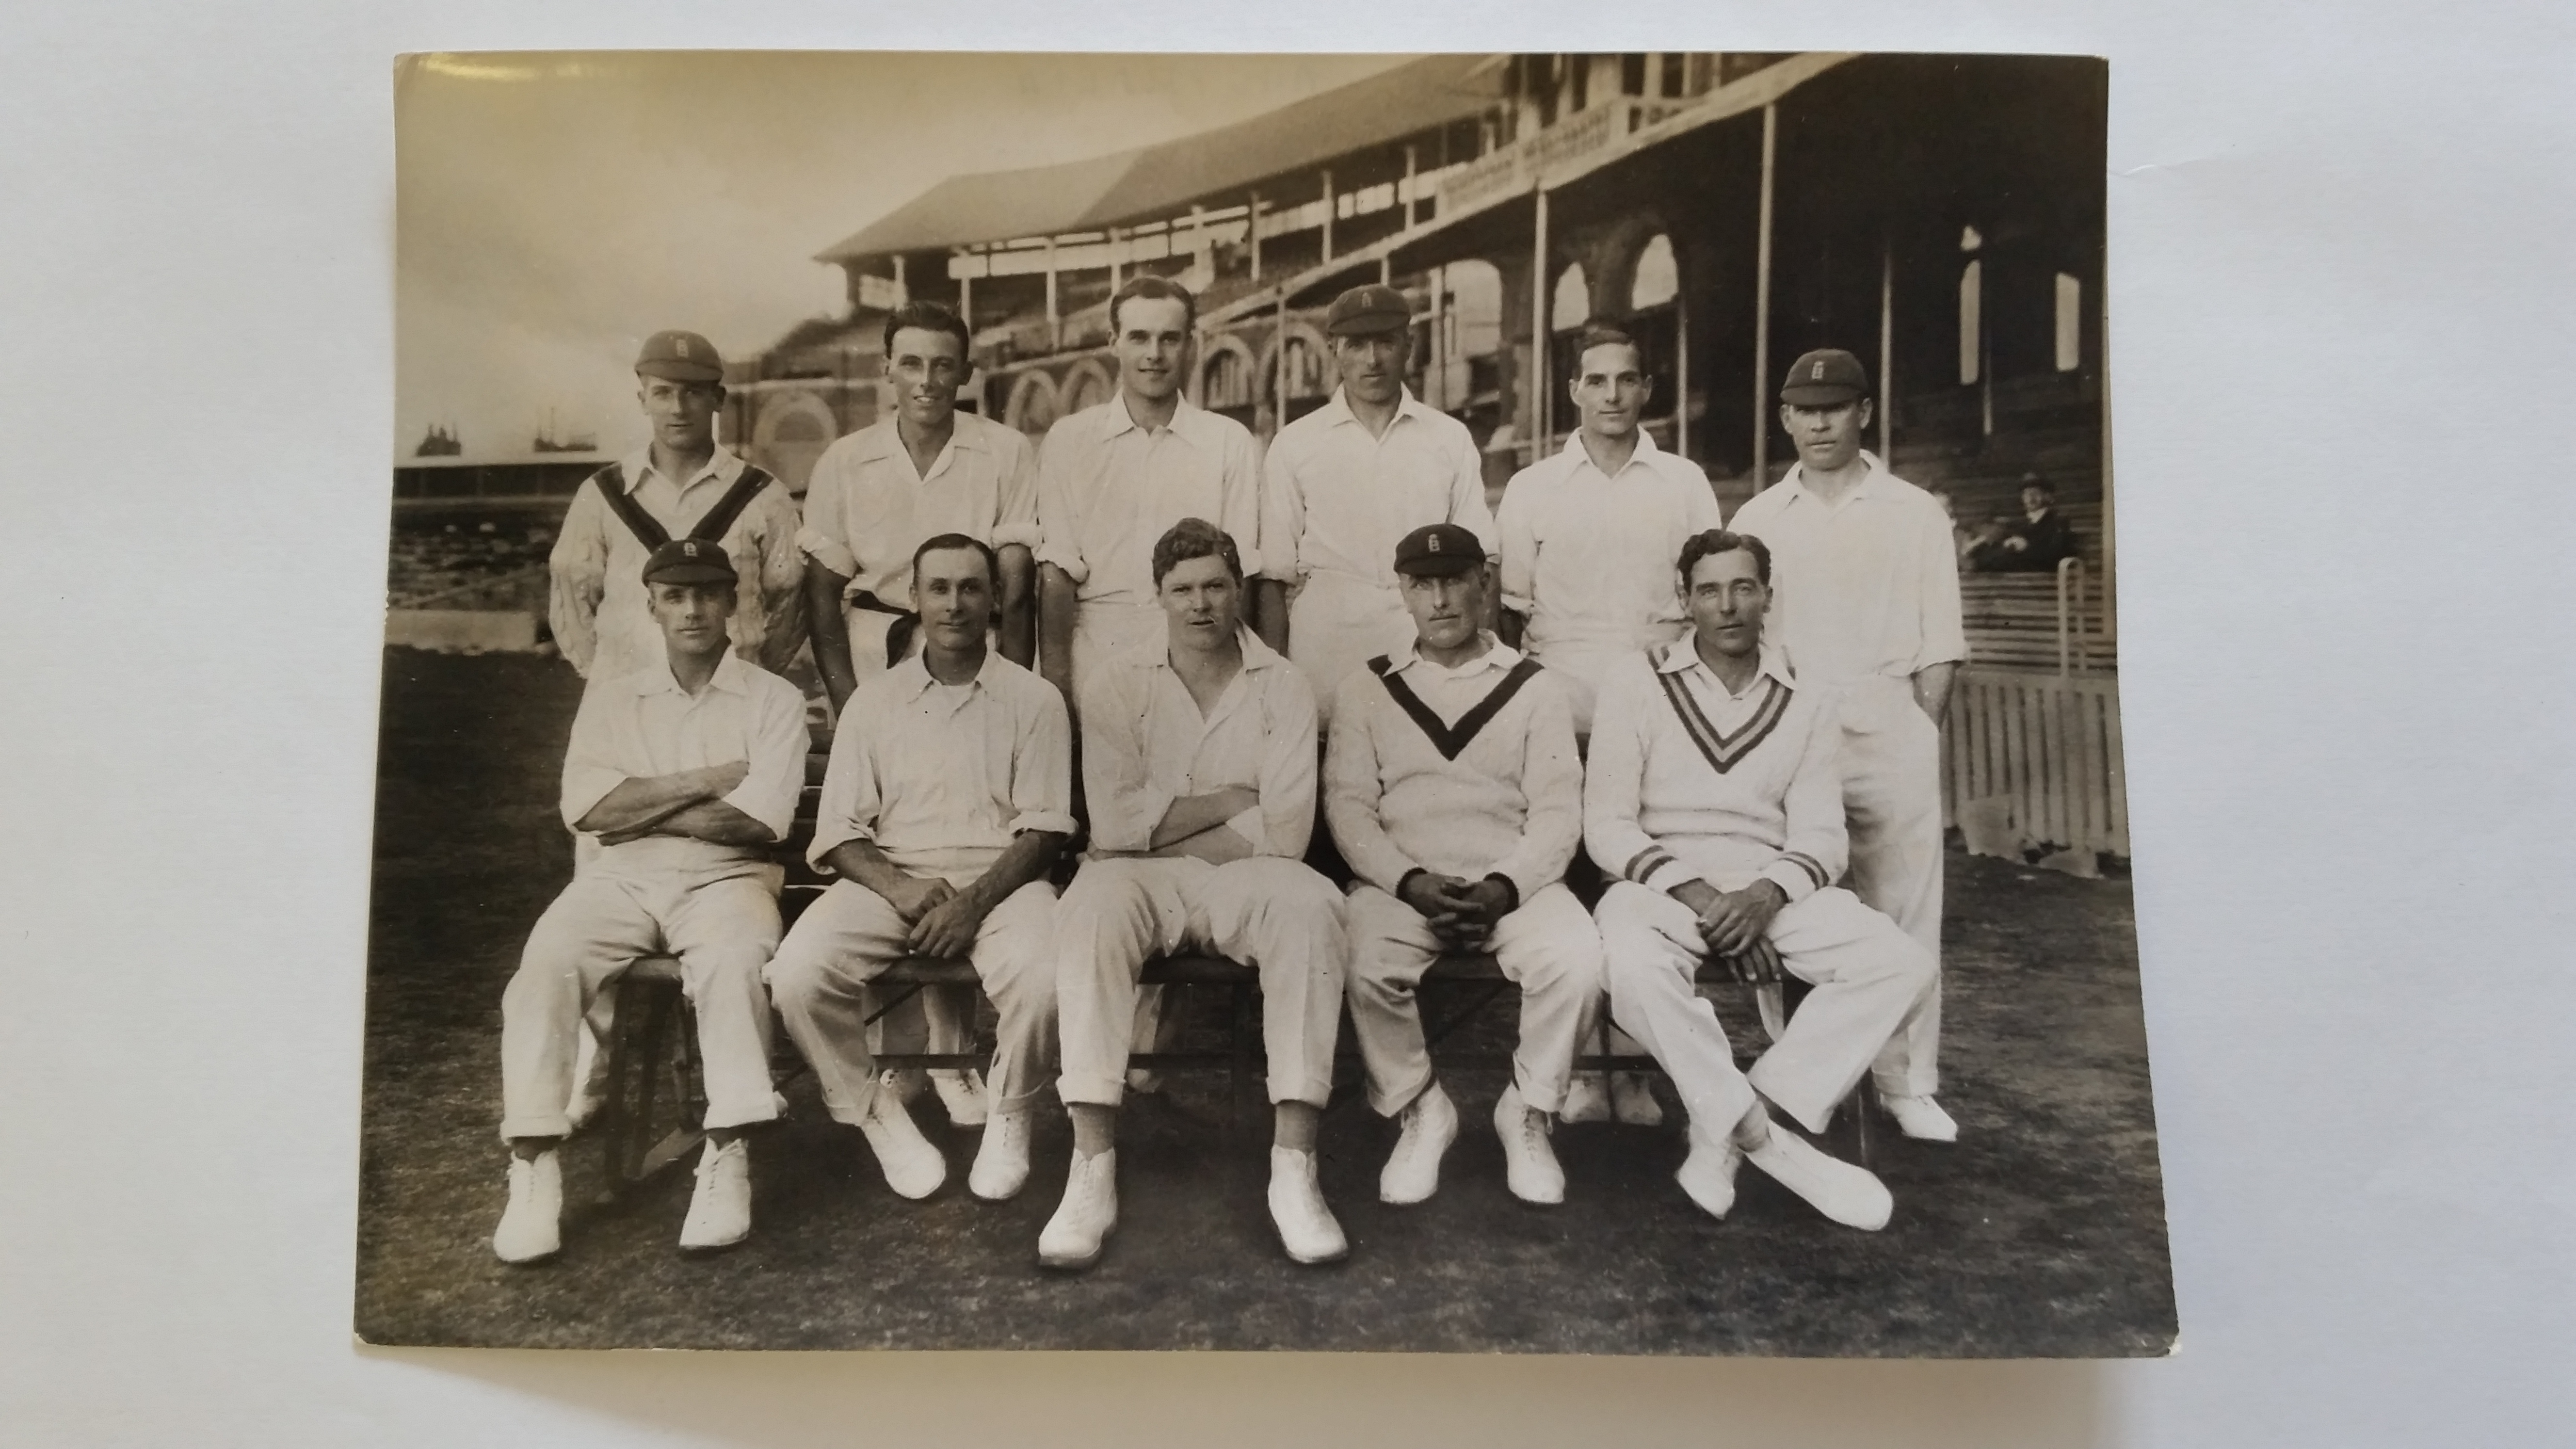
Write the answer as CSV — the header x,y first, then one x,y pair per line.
x,y
1089,388
1226,381
1573,304
1305,368
1658,278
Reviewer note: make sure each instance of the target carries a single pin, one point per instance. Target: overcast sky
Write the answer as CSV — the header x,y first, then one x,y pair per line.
x,y
554,209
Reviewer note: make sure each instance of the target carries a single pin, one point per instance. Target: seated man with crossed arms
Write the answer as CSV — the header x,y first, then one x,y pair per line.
x,y
1198,759
1452,786
1713,798
948,795
684,771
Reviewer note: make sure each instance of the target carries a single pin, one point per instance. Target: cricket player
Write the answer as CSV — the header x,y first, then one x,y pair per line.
x,y
683,772
1712,791
1453,788
1868,606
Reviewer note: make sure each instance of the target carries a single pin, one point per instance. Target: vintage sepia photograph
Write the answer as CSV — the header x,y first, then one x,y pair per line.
x,y
1453,703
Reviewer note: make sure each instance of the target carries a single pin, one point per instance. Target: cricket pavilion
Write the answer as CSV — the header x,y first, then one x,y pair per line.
x,y
1940,216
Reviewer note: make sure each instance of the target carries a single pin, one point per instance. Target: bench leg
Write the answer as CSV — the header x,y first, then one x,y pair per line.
x,y
1243,1073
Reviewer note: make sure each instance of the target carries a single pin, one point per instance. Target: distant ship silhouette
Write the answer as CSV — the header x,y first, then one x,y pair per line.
x,y
547,442
441,442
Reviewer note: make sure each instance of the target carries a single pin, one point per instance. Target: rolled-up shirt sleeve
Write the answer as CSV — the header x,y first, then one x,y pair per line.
x,y
1614,783
1467,506
1815,848
1945,635
850,800
1283,510
1552,781
1117,784
1017,522
1242,503
1061,459
1353,788
1042,767
777,760
1519,542
824,532
590,768
781,576
577,576
1287,782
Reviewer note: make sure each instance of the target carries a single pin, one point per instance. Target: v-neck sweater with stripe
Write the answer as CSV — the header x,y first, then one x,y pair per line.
x,y
1659,810
1508,803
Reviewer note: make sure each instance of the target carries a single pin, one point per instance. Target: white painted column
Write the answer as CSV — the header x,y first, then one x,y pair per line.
x,y
1762,307
1543,396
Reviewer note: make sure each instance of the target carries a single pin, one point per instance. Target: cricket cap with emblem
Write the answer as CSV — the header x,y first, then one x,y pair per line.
x,y
681,357
1373,308
689,561
1824,377
1436,549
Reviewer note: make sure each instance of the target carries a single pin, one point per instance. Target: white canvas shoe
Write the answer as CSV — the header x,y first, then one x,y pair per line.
x,y
1412,1172
1849,1195
1529,1162
961,1092
1632,1100
1073,1238
1708,1174
913,1168
1306,1226
532,1225
1002,1160
720,1209
1587,1098
1921,1118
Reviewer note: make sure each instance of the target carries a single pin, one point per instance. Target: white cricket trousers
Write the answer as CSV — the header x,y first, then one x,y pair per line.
x,y
1891,764
722,930
1547,947
1102,631
935,1018
1269,913
1867,975
1337,624
850,935
1582,663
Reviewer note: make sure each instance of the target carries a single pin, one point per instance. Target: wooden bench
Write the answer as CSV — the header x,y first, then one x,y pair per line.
x,y
2052,621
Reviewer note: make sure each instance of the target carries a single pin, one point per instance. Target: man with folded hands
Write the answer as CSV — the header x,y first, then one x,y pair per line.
x,y
1453,789
1713,797
948,795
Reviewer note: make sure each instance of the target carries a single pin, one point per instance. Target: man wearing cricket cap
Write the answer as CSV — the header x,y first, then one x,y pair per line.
x,y
681,484
1452,785
1867,605
1342,484
682,773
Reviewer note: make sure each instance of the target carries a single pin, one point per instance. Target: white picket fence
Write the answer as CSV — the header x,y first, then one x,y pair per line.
x,y
2034,759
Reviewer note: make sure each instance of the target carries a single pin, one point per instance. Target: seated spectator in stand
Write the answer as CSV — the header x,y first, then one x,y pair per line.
x,y
1713,794
2036,542
1452,784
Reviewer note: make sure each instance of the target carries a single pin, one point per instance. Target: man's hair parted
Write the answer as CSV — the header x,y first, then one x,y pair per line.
x,y
1154,289
1195,538
948,542
1709,542
1602,337
929,317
